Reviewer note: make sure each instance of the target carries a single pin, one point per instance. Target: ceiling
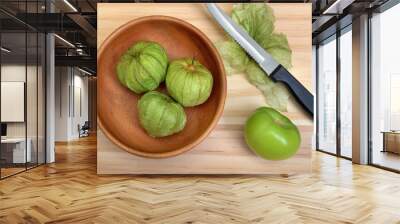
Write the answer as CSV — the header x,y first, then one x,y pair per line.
x,y
16,42
76,22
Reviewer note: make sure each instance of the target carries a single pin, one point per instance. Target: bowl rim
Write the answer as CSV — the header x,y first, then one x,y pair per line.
x,y
220,107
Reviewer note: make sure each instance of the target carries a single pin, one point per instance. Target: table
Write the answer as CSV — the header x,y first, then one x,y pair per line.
x,y
224,151
391,141
18,150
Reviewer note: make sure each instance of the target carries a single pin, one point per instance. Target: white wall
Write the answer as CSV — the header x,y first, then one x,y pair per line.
x,y
33,127
71,93
12,73
61,103
81,103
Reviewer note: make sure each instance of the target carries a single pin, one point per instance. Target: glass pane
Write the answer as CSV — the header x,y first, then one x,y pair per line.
x,y
327,96
346,94
385,84
13,89
22,89
314,79
41,98
31,98
32,88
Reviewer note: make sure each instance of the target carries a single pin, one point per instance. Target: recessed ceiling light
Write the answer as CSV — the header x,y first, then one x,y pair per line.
x,y
337,7
5,50
64,40
70,5
84,71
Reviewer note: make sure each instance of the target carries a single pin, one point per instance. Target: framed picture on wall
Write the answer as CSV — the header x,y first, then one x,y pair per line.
x,y
12,101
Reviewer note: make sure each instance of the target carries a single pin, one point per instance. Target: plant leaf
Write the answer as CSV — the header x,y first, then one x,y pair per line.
x,y
276,95
278,46
256,18
235,58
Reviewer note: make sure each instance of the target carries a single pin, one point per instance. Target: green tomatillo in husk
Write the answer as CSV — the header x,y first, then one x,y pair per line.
x,y
189,82
143,66
160,115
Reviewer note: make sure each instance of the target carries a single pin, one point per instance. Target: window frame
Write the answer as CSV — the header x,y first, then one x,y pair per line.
x,y
334,37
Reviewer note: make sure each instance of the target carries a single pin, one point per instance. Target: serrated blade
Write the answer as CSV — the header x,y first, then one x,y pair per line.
x,y
263,58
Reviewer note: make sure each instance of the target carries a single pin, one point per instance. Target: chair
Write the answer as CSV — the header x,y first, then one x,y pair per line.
x,y
84,130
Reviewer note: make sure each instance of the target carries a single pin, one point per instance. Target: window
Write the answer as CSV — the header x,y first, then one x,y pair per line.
x,y
327,96
22,76
335,74
385,89
346,92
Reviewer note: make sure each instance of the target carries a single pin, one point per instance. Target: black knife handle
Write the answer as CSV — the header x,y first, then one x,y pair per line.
x,y
303,96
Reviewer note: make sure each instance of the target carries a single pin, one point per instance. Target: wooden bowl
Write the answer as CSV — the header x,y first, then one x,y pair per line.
x,y
117,106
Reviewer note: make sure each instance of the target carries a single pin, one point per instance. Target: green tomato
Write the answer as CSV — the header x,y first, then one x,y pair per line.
x,y
271,135
159,115
189,82
143,67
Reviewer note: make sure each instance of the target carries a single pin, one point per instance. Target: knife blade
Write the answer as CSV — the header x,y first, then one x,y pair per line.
x,y
275,70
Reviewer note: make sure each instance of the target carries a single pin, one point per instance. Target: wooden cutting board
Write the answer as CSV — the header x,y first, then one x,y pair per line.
x,y
224,151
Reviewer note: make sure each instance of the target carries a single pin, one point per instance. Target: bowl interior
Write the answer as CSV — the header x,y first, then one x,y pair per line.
x,y
117,106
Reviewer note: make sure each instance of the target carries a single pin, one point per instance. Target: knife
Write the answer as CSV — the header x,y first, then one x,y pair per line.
x,y
275,70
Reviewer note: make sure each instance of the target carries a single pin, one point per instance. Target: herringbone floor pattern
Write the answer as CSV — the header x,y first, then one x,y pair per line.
x,y
69,191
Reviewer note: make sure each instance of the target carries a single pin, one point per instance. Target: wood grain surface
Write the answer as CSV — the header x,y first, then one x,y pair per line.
x,y
224,151
70,192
